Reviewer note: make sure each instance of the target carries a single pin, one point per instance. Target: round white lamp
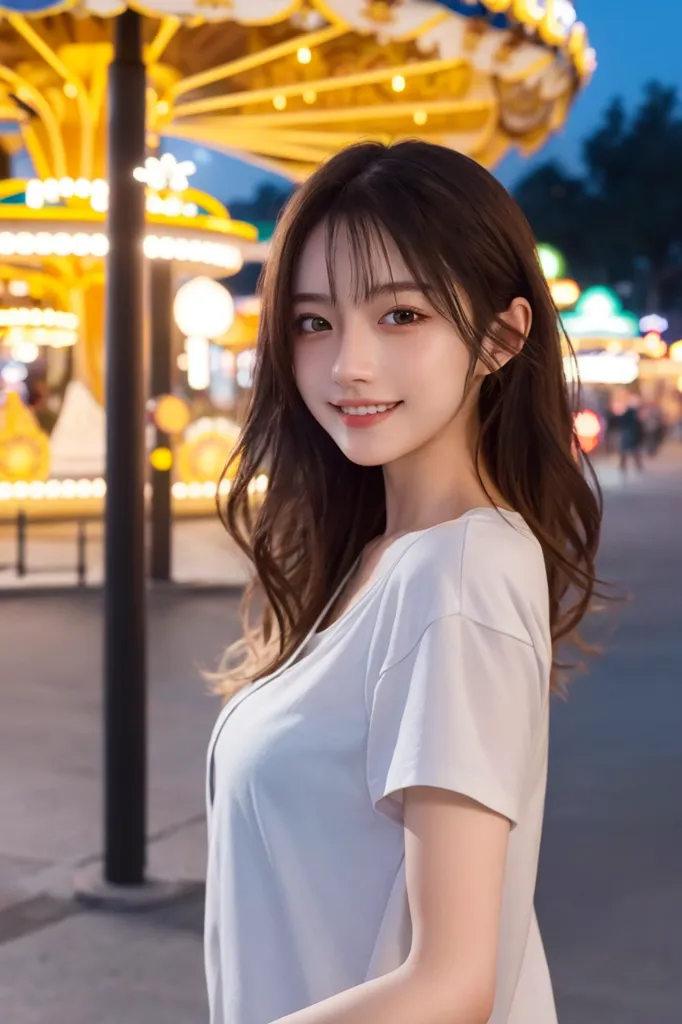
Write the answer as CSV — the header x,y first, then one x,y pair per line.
x,y
203,310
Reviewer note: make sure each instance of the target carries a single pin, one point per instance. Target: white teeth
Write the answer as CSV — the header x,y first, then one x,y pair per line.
x,y
366,410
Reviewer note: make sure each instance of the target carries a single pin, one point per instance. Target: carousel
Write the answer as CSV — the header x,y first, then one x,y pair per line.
x,y
289,83
53,248
279,83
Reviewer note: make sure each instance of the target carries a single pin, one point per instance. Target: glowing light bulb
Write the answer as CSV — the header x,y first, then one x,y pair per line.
x,y
198,363
99,245
62,243
309,96
35,194
51,190
161,459
70,90
81,244
398,83
420,117
173,206
82,188
304,55
25,352
279,102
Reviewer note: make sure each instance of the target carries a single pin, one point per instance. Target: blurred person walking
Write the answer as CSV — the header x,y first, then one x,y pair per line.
x,y
631,436
376,779
653,428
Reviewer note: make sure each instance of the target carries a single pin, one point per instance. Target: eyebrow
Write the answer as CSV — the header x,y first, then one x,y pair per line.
x,y
390,287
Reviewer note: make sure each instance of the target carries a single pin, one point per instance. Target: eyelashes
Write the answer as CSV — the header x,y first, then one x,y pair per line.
x,y
418,317
324,325
300,320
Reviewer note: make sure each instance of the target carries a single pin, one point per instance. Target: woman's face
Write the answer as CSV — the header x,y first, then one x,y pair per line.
x,y
383,376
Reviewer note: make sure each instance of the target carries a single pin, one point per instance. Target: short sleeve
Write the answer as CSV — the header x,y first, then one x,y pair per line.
x,y
459,712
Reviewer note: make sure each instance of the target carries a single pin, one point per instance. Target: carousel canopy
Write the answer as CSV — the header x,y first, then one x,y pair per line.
x,y
289,82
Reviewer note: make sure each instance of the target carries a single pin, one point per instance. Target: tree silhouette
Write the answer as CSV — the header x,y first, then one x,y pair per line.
x,y
267,204
622,218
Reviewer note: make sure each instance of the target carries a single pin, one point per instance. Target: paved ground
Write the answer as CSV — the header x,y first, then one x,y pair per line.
x,y
610,887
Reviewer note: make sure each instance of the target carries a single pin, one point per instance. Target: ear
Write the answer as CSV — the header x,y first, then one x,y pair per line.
x,y
509,338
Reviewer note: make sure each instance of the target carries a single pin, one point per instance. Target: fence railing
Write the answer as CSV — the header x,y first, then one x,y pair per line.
x,y
23,566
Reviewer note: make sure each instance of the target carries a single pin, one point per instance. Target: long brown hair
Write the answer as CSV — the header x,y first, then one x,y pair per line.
x,y
457,228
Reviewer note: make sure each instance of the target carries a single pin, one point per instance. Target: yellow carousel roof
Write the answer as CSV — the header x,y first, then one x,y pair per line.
x,y
289,82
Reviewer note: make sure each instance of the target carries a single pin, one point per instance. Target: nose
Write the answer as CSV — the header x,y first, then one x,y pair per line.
x,y
357,354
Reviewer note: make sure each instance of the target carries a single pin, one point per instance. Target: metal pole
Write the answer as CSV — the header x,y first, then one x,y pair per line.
x,y
161,383
124,623
22,523
81,564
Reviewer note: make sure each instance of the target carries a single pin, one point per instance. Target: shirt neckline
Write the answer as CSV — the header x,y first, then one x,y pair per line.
x,y
386,562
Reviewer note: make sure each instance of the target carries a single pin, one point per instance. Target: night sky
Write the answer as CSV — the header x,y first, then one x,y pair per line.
x,y
635,42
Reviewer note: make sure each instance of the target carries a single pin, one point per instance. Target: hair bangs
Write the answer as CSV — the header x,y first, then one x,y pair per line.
x,y
369,218
366,236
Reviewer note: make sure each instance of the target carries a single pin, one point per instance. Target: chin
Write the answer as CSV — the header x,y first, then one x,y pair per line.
x,y
368,453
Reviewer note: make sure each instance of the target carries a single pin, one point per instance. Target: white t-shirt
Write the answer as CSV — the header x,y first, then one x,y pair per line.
x,y
438,675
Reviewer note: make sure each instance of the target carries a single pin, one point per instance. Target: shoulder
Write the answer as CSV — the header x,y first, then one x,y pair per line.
x,y
487,567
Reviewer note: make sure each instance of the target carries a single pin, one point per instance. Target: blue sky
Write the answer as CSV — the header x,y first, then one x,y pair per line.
x,y
635,42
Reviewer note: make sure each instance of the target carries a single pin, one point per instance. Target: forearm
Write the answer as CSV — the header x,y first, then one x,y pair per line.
x,y
404,996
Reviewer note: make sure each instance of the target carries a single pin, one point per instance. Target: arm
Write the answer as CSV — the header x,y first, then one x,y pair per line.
x,y
455,852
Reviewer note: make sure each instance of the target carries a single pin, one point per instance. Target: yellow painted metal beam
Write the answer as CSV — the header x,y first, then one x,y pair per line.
x,y
98,88
255,60
383,112
44,50
37,280
278,145
270,144
321,85
331,141
167,29
35,150
25,90
483,139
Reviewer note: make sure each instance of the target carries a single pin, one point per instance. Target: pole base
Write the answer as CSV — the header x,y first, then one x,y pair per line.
x,y
93,891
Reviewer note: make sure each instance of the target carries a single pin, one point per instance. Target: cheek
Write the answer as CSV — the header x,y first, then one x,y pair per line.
x,y
434,371
310,372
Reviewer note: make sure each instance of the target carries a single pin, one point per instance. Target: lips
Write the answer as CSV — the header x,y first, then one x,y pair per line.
x,y
368,409
359,416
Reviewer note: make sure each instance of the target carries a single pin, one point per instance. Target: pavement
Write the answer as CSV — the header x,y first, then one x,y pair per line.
x,y
609,895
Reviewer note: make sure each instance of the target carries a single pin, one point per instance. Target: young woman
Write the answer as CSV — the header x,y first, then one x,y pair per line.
x,y
376,779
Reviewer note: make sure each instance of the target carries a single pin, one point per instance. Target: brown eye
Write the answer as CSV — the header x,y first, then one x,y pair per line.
x,y
313,324
402,318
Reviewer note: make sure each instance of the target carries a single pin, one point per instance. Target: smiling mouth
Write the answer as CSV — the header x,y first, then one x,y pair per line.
x,y
366,410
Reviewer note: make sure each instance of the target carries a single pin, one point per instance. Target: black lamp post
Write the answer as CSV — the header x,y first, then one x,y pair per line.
x,y
125,667
161,383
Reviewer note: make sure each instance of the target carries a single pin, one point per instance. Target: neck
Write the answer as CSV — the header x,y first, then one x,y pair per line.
x,y
437,482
